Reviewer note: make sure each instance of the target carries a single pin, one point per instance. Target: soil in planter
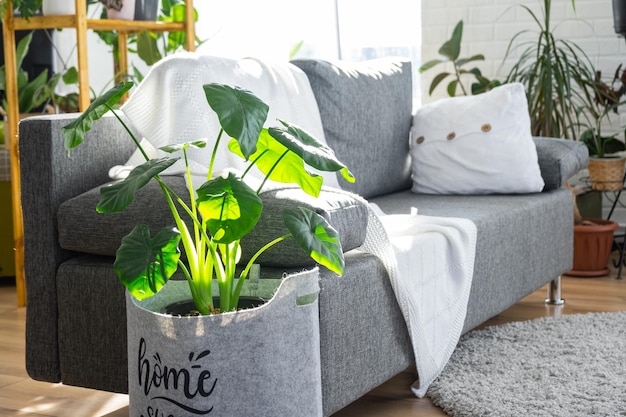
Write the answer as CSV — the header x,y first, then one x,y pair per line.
x,y
187,308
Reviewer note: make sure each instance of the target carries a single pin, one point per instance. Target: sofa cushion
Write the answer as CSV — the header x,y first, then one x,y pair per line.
x,y
560,160
82,229
477,144
366,114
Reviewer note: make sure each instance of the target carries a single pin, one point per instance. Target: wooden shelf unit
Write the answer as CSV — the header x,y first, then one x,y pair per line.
x,y
82,24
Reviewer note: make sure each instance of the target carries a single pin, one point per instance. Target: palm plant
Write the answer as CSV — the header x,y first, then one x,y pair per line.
x,y
558,77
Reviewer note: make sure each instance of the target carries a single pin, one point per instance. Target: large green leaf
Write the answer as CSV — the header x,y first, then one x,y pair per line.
x,y
452,48
147,48
22,50
436,81
229,207
318,238
312,151
280,164
70,76
430,64
74,133
144,264
116,197
32,94
462,61
240,112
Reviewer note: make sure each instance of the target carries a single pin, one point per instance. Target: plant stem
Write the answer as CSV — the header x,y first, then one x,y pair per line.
x,y
246,270
214,154
269,173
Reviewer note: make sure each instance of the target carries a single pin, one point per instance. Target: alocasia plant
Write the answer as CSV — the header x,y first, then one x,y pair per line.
x,y
225,208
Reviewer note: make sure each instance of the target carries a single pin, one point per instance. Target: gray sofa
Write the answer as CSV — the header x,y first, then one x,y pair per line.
x,y
76,332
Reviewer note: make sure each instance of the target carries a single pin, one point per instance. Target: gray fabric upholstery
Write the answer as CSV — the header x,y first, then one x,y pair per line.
x,y
49,177
559,160
361,321
92,333
366,114
78,219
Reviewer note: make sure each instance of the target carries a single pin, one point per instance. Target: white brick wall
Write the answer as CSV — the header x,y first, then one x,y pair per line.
x,y
490,24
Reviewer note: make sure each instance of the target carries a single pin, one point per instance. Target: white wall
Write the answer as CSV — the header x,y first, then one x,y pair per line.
x,y
490,24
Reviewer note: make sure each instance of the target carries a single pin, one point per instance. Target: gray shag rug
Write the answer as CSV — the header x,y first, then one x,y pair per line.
x,y
570,366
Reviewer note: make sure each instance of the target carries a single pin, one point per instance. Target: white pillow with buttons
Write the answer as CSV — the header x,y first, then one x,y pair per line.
x,y
478,144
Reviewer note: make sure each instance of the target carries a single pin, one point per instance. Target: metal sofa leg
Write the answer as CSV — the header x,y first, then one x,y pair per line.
x,y
554,292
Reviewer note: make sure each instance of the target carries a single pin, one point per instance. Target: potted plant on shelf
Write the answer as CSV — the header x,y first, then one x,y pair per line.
x,y
450,52
31,93
219,361
25,8
556,74
606,166
58,8
593,237
131,9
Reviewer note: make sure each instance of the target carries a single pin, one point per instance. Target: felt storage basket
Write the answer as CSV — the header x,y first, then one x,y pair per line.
x,y
263,361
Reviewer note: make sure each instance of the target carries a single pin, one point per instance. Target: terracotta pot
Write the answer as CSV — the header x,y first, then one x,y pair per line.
x,y
593,241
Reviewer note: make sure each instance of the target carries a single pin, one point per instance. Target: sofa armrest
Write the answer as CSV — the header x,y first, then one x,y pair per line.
x,y
49,177
559,160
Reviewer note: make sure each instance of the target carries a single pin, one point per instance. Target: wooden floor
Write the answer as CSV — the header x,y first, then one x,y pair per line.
x,y
21,396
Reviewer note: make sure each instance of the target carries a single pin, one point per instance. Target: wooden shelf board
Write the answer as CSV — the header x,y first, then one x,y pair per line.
x,y
69,21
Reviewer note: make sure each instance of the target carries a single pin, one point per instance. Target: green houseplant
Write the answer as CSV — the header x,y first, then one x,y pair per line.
x,y
31,93
557,74
607,98
223,209
149,46
26,8
450,52
606,167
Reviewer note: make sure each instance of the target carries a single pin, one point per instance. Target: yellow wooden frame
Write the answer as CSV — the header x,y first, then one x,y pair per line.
x,y
81,23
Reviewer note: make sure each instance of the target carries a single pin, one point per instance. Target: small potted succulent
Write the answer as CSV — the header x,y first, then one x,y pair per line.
x,y
223,210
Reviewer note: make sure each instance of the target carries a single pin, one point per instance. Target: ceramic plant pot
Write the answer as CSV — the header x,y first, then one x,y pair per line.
x,y
121,9
58,7
262,361
593,241
133,9
146,9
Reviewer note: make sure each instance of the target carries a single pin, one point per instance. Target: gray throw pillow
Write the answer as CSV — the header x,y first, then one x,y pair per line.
x,y
366,114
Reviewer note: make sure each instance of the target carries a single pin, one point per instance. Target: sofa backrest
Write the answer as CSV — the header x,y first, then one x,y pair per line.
x,y
365,109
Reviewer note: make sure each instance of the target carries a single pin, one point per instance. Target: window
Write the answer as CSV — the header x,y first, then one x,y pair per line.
x,y
328,29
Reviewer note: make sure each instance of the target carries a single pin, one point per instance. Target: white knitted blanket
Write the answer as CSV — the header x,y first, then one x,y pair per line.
x,y
169,106
430,260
